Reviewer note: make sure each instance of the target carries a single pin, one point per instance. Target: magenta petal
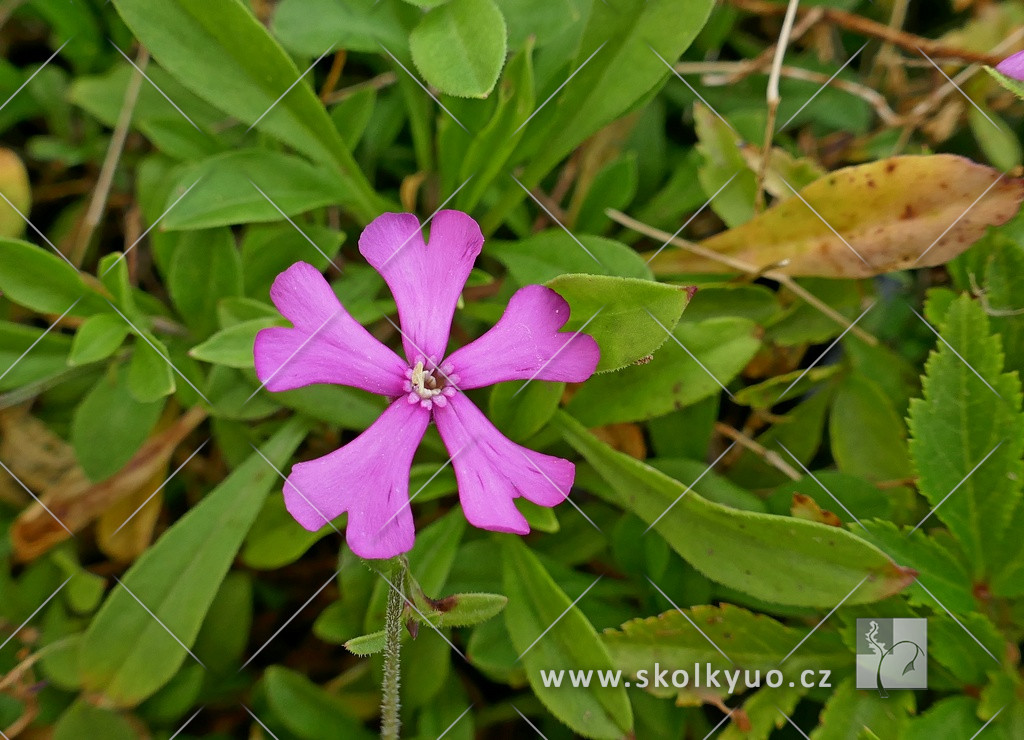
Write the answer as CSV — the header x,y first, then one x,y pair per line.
x,y
492,470
525,344
425,278
326,344
368,478
1013,66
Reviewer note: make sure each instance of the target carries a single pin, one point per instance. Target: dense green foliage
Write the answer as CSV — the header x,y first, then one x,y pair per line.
x,y
807,440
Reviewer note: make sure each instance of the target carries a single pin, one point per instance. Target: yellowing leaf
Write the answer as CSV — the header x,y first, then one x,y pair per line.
x,y
893,214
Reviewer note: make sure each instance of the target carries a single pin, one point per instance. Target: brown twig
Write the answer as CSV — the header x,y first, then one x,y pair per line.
x,y
376,83
874,29
769,456
334,76
730,72
98,204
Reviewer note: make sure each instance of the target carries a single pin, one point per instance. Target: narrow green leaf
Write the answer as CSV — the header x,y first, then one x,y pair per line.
x,y
779,559
19,366
308,710
225,191
244,72
355,25
459,47
36,278
537,606
127,654
629,318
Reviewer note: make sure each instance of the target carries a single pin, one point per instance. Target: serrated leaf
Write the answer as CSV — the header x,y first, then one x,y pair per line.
x,y
629,318
537,606
967,434
779,559
1013,85
751,641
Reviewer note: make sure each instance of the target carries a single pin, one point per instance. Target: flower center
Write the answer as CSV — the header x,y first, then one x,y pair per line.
x,y
430,386
424,383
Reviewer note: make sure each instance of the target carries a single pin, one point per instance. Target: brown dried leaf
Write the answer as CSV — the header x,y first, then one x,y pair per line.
x,y
32,452
897,213
128,542
76,501
625,437
805,507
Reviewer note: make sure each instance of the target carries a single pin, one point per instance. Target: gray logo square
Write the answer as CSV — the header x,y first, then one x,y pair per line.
x,y
892,654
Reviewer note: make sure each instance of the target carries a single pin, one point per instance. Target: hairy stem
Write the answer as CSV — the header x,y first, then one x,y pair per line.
x,y
390,721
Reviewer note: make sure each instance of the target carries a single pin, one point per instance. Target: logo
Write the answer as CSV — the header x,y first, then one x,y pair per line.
x,y
892,654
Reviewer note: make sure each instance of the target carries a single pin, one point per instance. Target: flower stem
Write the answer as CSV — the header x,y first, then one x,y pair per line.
x,y
390,721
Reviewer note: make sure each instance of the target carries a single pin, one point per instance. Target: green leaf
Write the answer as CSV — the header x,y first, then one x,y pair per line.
x,y
619,36
19,366
537,606
225,189
673,379
548,254
97,338
487,151
204,268
751,641
868,437
520,415
370,644
110,425
85,720
629,318
36,278
961,421
944,574
127,654
244,72
150,377
1013,85
308,710
779,559
466,610
459,47
276,539
848,711
354,25
233,346
268,250
719,145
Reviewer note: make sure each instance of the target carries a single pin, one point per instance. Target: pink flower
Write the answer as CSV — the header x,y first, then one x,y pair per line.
x,y
1013,66
369,477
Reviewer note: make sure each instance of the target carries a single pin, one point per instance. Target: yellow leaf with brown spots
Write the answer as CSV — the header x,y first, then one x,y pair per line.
x,y
861,221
